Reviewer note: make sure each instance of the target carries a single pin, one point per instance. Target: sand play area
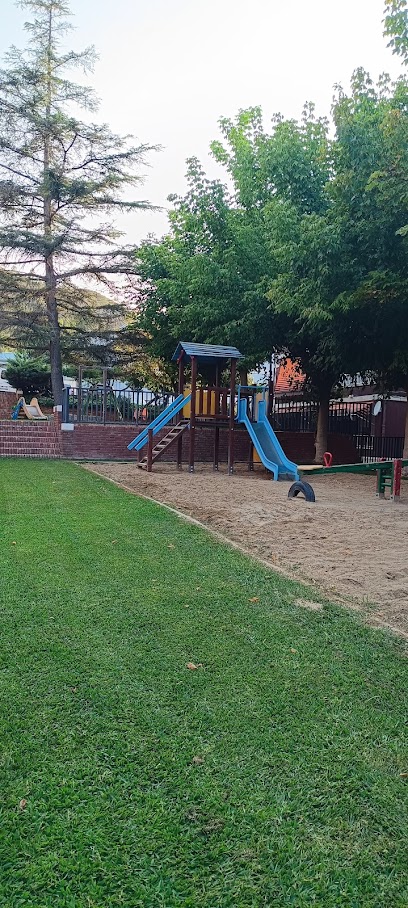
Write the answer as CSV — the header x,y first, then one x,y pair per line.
x,y
349,544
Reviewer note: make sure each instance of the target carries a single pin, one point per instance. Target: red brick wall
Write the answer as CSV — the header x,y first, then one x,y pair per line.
x,y
96,442
8,400
29,439
90,442
299,447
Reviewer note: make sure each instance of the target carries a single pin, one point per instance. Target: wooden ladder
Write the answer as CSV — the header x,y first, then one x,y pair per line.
x,y
165,443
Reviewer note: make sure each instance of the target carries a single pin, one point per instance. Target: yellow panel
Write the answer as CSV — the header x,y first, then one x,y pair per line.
x,y
187,408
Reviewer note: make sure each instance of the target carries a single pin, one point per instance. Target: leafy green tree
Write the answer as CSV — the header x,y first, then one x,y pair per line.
x,y
31,376
309,265
260,269
61,182
370,190
291,163
332,210
306,303
306,256
202,281
396,27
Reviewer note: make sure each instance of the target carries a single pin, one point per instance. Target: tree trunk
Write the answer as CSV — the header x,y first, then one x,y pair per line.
x,y
322,431
57,381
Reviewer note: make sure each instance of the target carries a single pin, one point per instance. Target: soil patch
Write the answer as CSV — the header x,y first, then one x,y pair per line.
x,y
348,543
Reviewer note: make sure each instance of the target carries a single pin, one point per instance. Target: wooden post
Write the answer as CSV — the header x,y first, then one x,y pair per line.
x,y
216,448
396,480
192,412
251,456
231,418
216,413
180,391
149,450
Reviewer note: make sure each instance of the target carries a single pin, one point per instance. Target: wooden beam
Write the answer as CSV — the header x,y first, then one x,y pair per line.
x,y
231,418
181,376
180,415
216,391
149,450
216,448
251,456
192,412
201,402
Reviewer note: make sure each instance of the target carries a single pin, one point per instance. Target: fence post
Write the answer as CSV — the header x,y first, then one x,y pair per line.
x,y
104,379
65,404
79,405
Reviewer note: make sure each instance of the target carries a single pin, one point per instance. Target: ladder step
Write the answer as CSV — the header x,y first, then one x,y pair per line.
x,y
171,436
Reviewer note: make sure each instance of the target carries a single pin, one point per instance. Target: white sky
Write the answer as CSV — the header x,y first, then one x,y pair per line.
x,y
168,69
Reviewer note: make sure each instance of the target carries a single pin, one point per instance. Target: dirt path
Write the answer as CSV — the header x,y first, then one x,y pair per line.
x,y
349,543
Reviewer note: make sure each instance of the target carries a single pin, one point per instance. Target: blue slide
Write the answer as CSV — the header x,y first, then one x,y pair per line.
x,y
160,422
266,443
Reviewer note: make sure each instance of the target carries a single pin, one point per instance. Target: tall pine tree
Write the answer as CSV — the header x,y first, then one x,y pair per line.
x,y
62,180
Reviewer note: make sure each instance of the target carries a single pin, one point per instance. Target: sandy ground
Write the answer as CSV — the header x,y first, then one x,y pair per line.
x,y
349,544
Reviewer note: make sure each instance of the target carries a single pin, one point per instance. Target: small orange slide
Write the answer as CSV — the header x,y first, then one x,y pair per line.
x,y
31,411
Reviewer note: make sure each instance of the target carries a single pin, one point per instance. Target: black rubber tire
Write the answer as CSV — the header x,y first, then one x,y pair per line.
x,y
302,488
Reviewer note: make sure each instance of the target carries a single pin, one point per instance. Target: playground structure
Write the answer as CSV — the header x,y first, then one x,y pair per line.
x,y
216,407
30,411
212,406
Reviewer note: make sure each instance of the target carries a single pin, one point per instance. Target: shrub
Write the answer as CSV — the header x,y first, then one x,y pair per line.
x,y
32,376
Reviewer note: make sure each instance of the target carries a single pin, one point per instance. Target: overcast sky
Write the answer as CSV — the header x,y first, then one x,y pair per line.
x,y
168,69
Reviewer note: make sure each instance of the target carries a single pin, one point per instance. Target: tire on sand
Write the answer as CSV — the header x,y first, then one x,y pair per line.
x,y
302,488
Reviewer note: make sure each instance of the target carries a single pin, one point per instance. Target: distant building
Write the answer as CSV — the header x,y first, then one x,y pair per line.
x,y
5,358
289,379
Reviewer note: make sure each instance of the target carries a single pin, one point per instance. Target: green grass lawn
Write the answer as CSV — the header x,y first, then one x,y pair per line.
x,y
273,775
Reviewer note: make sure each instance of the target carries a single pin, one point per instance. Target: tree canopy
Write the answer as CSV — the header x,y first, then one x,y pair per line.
x,y
305,254
396,27
62,179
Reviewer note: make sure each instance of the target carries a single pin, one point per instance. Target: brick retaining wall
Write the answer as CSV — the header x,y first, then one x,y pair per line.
x,y
29,439
95,442
8,400
299,447
88,442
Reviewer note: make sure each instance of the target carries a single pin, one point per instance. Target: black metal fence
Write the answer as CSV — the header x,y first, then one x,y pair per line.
x,y
105,404
301,416
371,447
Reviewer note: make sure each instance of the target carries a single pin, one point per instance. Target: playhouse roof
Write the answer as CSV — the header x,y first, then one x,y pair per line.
x,y
210,352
